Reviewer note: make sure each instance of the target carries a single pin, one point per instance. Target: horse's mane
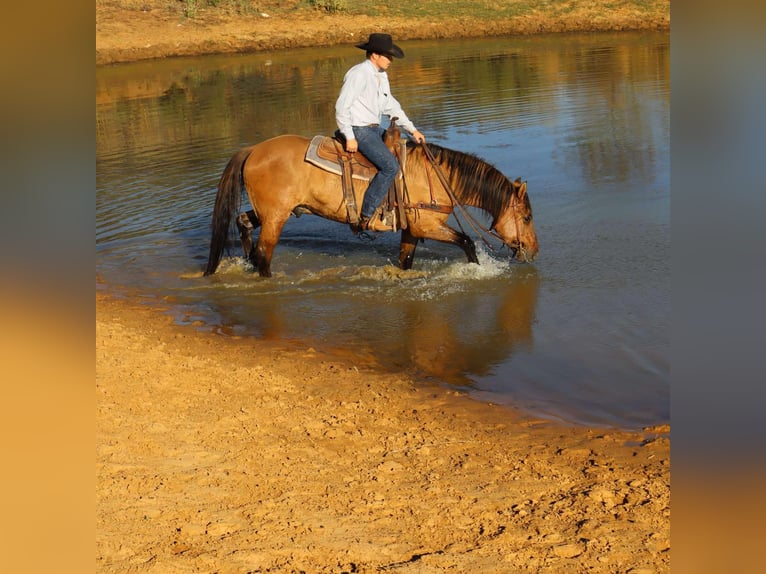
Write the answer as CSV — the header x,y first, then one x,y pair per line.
x,y
472,179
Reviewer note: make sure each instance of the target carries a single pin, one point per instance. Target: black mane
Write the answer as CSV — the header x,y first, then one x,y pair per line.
x,y
472,179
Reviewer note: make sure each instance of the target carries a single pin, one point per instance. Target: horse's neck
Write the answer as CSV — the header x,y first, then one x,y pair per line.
x,y
463,193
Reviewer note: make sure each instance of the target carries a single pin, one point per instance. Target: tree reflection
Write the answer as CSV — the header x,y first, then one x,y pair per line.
x,y
613,88
599,87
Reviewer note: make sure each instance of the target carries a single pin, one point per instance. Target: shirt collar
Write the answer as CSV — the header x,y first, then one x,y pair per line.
x,y
375,69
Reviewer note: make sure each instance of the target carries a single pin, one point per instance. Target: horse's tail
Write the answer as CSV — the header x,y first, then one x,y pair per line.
x,y
227,203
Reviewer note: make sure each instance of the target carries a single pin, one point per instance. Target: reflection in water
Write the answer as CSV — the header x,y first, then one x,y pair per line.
x,y
480,86
584,119
616,153
470,334
449,323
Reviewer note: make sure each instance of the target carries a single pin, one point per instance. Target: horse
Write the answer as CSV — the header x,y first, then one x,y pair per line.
x,y
280,183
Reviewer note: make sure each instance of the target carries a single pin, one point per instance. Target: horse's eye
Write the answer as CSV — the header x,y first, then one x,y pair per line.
x,y
527,218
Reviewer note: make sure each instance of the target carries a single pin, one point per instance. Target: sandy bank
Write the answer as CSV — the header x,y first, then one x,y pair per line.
x,y
229,455
125,35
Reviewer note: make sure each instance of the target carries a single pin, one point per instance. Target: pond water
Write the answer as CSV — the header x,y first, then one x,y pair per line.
x,y
581,335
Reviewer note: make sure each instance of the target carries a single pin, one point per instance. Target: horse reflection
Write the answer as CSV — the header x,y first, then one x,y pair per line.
x,y
443,342
450,337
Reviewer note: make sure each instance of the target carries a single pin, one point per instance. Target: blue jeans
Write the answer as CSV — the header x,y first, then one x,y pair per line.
x,y
370,140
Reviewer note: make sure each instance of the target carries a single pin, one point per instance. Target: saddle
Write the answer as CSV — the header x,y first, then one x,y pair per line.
x,y
329,154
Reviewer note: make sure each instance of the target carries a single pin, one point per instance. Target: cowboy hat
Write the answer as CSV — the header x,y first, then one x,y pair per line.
x,y
382,44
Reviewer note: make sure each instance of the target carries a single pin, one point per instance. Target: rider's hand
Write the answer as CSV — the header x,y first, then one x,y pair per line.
x,y
418,137
351,146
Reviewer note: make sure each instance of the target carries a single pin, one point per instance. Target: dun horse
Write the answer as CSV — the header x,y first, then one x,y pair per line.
x,y
279,183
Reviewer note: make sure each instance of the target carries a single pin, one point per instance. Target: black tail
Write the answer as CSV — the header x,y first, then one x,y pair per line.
x,y
227,203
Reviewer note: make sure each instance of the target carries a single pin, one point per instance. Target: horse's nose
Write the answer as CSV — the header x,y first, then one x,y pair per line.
x,y
530,251
526,252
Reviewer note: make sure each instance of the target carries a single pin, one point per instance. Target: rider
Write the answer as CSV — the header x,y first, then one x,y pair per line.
x,y
364,98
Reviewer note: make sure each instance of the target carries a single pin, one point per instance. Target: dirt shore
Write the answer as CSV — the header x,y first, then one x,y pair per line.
x,y
128,30
229,455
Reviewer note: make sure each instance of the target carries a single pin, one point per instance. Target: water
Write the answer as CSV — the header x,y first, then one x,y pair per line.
x,y
582,335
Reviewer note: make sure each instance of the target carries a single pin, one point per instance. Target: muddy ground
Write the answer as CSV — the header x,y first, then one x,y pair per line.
x,y
227,455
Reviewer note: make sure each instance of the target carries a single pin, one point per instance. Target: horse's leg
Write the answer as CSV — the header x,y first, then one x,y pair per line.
x,y
469,247
444,233
247,222
407,249
267,241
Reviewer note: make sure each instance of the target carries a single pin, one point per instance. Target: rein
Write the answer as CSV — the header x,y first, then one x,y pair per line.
x,y
518,236
477,227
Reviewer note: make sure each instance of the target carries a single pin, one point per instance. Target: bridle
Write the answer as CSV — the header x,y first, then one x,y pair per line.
x,y
491,231
482,231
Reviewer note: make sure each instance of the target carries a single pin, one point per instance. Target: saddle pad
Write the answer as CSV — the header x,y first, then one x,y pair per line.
x,y
331,165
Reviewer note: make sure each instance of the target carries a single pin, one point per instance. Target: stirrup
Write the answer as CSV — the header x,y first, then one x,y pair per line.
x,y
360,226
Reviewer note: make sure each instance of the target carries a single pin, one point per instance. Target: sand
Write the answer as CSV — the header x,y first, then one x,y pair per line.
x,y
218,454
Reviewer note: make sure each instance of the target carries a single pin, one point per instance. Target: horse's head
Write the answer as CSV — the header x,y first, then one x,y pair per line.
x,y
514,225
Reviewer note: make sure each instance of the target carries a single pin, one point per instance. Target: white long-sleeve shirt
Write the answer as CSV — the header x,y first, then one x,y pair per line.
x,y
364,98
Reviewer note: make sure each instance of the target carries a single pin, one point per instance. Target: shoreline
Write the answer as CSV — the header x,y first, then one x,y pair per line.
x,y
124,35
234,454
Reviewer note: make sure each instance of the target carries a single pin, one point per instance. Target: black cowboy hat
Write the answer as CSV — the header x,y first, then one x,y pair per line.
x,y
382,44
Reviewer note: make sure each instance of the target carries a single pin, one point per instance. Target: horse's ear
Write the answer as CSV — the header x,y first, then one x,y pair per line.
x,y
522,190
